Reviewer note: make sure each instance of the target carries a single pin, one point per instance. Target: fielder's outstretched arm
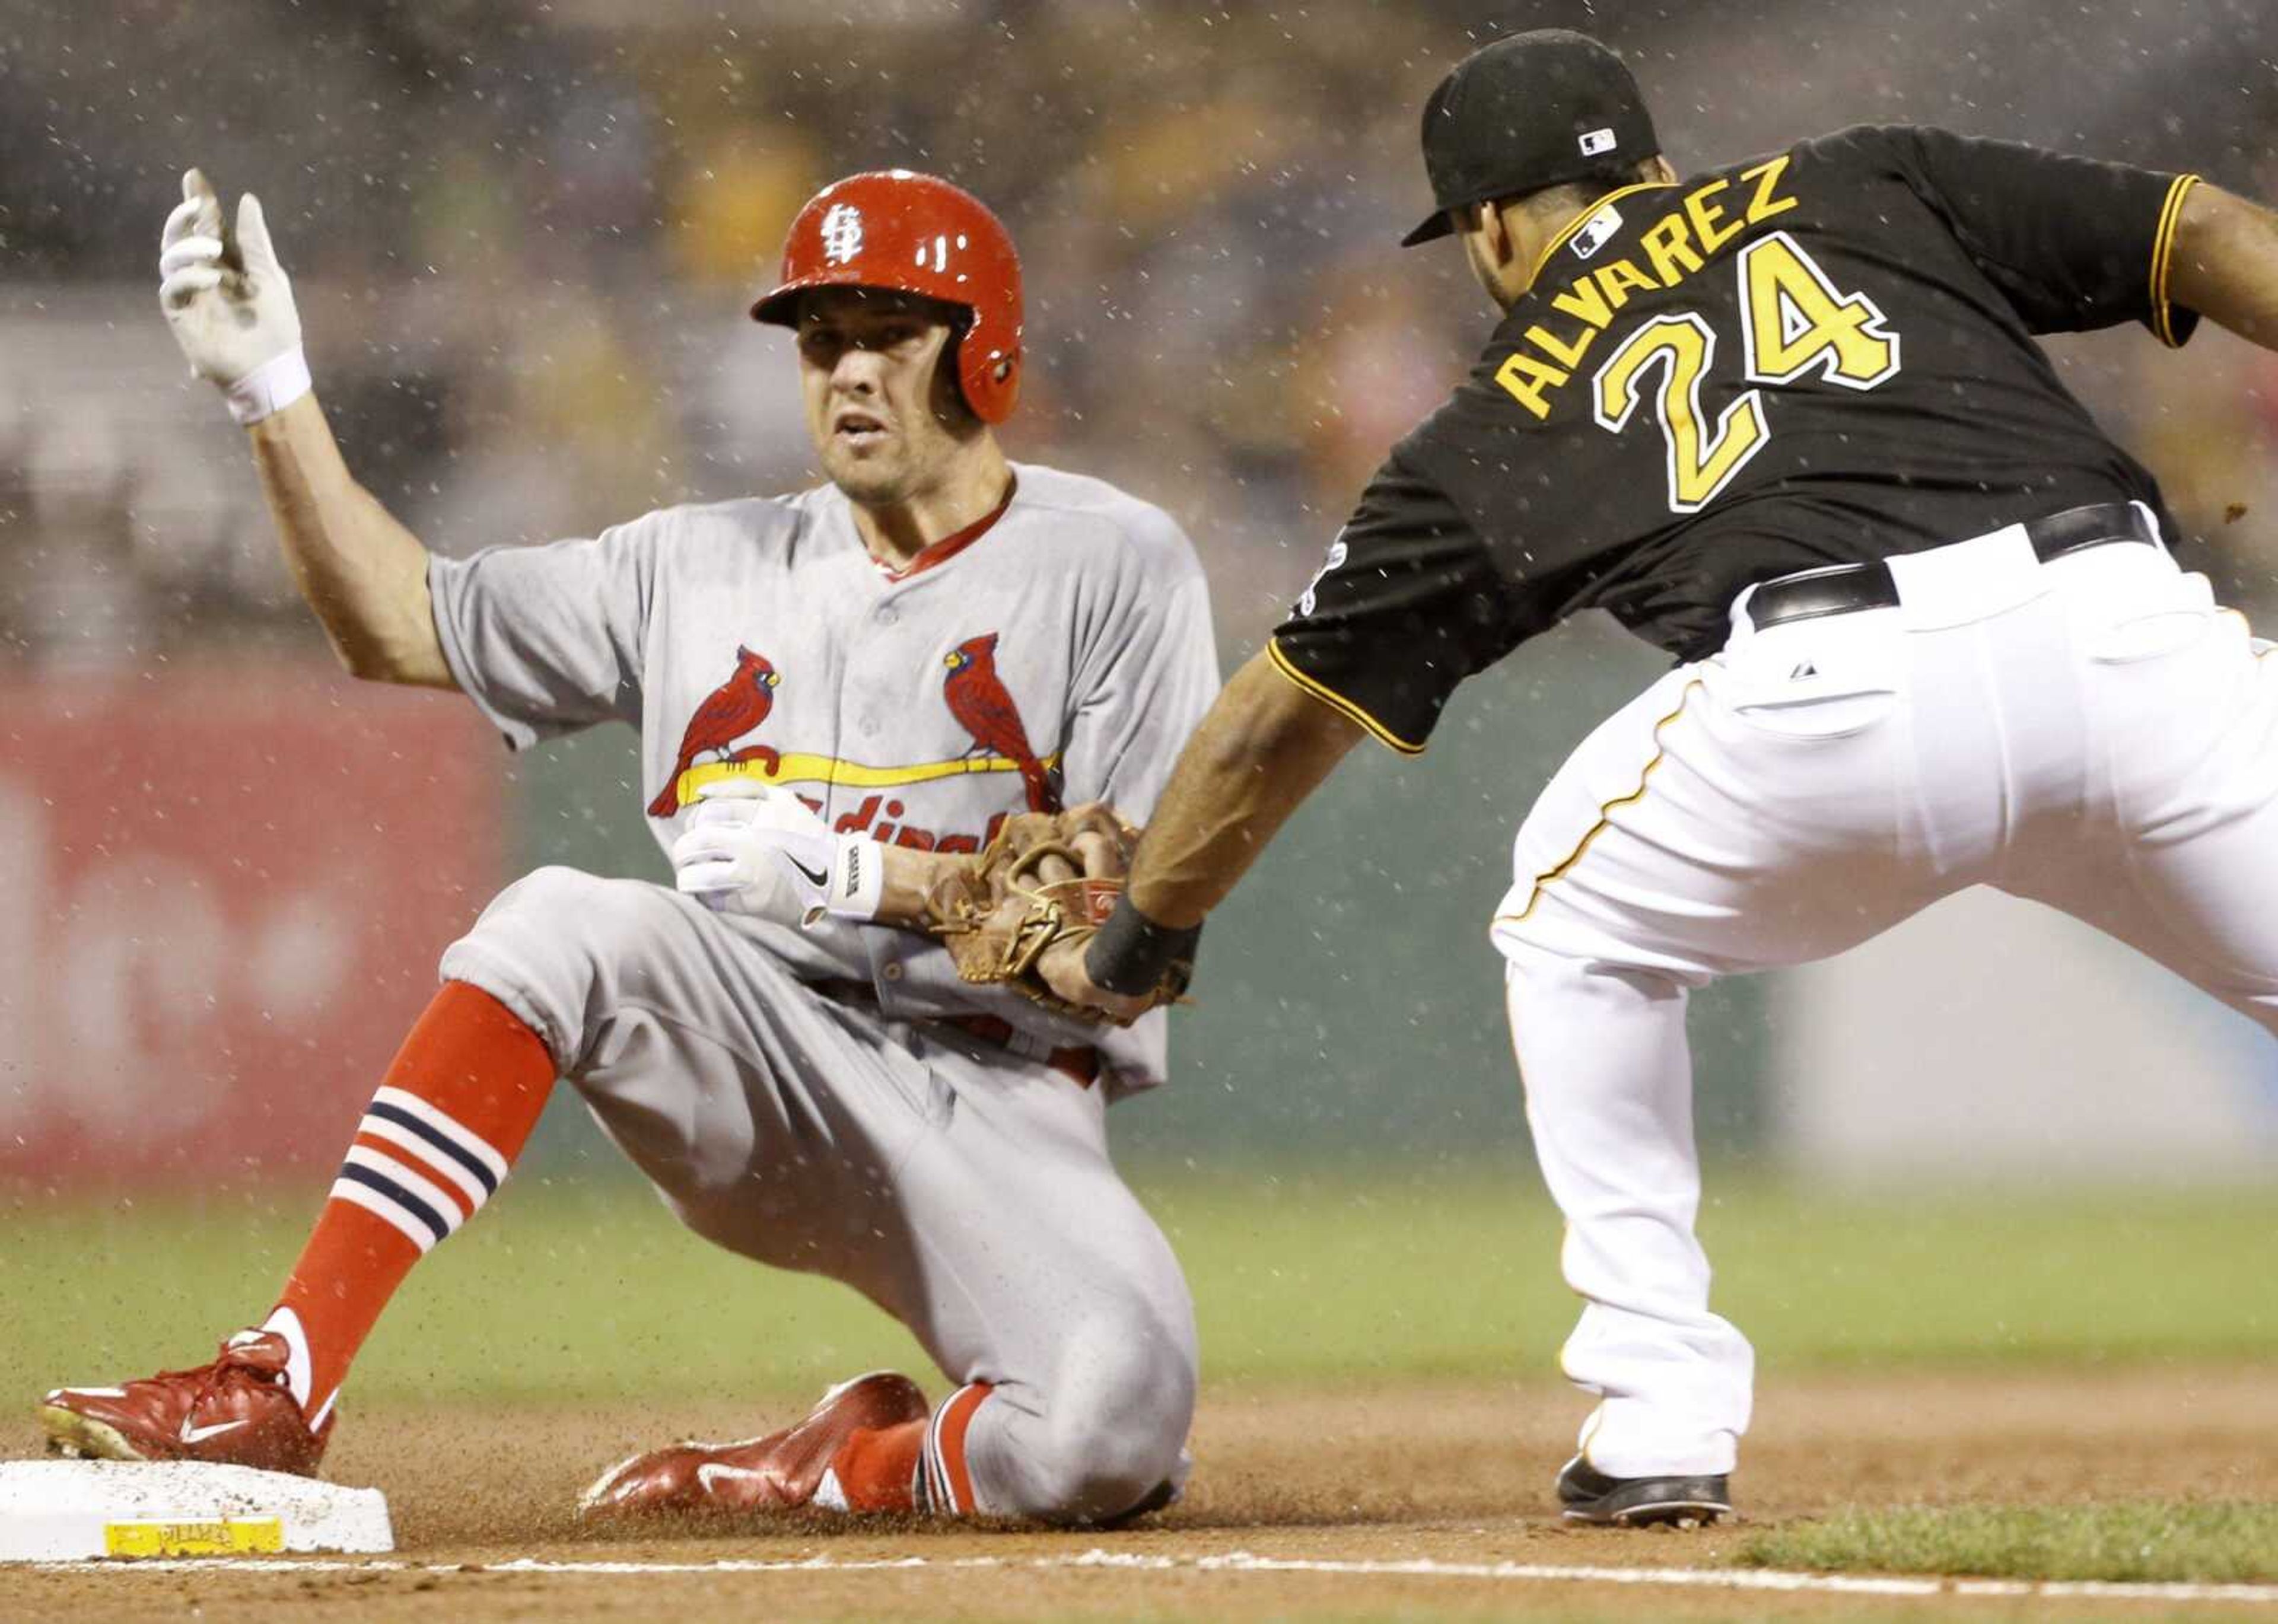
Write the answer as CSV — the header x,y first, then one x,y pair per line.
x,y
2224,263
231,308
1262,749
1264,746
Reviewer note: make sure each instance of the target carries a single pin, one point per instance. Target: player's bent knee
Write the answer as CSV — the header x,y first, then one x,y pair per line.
x,y
552,940
1117,1433
1107,1476
554,913
565,901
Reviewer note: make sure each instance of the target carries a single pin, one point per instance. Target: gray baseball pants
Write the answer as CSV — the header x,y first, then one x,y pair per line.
x,y
964,1188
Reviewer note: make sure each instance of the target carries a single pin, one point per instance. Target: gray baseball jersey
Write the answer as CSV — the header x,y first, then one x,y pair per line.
x,y
1062,657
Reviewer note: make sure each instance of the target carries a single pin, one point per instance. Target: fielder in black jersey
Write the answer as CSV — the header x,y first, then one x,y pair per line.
x,y
1820,357
1785,419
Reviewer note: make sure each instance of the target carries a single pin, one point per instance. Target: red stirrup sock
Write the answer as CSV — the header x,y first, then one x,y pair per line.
x,y
877,1467
456,1106
948,1480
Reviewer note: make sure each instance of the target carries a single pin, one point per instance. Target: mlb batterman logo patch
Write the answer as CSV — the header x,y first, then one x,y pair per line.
x,y
842,233
1593,235
1338,553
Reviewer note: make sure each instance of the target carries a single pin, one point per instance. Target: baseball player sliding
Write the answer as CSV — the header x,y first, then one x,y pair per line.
x,y
833,689
1786,419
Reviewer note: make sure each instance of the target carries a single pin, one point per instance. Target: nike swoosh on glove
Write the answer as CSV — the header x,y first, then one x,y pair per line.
x,y
748,847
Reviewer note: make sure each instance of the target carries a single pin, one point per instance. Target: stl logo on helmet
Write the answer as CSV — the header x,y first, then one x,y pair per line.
x,y
842,233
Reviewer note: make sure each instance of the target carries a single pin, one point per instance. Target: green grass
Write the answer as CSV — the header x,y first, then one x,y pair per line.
x,y
1456,1272
2136,1542
580,1288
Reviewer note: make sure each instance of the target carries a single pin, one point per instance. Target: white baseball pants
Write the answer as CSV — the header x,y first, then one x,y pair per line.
x,y
2093,733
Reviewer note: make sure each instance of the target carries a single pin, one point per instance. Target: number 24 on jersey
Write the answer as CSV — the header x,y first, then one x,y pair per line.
x,y
1794,322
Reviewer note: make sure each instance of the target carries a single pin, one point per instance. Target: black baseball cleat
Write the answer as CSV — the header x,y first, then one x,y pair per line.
x,y
1589,1495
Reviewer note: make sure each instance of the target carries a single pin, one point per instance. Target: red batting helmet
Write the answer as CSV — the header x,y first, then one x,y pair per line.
x,y
895,228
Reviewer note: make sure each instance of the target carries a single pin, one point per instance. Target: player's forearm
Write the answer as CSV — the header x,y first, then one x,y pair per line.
x,y
363,573
2224,263
1264,747
909,877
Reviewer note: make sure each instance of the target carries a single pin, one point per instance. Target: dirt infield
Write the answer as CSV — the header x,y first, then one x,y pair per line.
x,y
1449,1476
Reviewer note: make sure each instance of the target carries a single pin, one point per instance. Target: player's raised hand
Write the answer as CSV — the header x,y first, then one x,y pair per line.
x,y
229,303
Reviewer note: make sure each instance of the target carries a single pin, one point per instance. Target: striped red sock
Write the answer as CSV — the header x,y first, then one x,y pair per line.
x,y
876,1466
451,1116
948,1480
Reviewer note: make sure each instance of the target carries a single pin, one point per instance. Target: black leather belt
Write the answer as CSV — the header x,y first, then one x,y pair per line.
x,y
1839,589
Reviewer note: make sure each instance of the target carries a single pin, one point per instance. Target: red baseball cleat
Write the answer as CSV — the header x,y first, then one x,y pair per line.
x,y
800,1466
237,1411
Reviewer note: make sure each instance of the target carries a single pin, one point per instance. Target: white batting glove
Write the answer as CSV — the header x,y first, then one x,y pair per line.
x,y
229,303
749,848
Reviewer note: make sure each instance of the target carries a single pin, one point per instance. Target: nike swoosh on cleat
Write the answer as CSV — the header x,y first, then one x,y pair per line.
x,y
712,1470
199,1434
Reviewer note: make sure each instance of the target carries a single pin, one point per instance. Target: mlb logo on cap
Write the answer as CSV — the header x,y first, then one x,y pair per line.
x,y
1527,111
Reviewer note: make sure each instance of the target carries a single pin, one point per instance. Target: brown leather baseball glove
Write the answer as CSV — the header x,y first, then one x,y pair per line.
x,y
1047,878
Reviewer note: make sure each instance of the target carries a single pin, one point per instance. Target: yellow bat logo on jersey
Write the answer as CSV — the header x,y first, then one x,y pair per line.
x,y
797,767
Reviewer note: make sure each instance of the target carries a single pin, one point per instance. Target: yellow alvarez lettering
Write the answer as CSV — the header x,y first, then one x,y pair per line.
x,y
1666,243
1679,244
1762,205
1527,380
1617,280
1583,302
1568,355
1709,220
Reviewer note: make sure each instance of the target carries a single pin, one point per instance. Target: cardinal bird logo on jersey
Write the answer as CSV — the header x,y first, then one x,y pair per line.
x,y
730,712
977,698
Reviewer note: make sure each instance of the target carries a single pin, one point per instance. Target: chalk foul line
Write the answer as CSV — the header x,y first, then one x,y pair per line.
x,y
1244,1562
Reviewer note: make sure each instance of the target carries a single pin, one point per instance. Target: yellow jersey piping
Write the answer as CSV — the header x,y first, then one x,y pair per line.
x,y
2163,249
1605,814
1337,702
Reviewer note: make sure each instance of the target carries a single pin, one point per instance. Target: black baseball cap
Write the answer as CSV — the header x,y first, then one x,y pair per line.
x,y
1528,112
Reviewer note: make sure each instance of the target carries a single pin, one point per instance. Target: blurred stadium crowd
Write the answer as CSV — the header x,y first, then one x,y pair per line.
x,y
524,234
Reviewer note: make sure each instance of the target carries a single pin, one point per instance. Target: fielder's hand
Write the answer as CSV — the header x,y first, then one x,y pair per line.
x,y
1061,968
1021,913
752,848
229,303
